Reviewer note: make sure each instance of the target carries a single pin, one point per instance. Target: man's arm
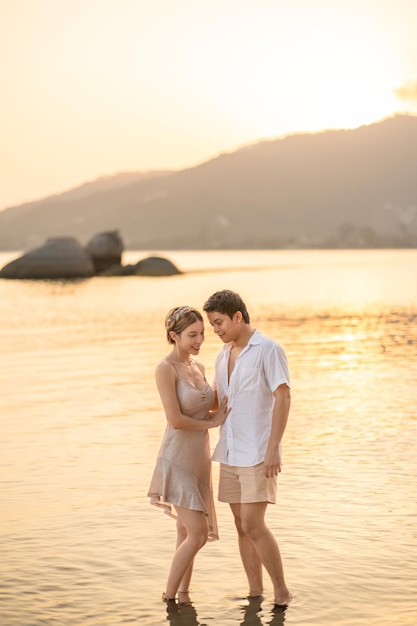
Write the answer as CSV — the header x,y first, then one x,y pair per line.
x,y
272,461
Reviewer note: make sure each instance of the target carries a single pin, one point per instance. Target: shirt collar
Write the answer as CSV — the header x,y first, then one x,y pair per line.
x,y
254,339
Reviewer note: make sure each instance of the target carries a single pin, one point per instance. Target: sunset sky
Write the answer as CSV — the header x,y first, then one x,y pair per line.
x,y
94,87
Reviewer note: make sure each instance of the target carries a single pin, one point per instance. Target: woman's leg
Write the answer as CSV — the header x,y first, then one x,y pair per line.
x,y
196,527
183,589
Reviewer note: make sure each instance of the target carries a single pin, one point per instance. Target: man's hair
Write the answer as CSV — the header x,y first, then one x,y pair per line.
x,y
228,303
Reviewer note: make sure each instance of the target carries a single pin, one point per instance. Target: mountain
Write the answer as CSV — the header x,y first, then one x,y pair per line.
x,y
336,188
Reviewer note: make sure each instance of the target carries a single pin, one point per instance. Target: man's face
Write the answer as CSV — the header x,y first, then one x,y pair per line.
x,y
223,326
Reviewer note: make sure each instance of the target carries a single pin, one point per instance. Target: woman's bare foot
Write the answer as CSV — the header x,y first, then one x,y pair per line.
x,y
166,599
184,597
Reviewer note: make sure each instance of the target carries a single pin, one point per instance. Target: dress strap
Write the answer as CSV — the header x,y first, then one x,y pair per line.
x,y
175,368
200,367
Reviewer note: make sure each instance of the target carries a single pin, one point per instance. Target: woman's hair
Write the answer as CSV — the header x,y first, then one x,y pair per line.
x,y
228,303
179,318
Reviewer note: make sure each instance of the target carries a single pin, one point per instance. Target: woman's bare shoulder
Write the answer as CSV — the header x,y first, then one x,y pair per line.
x,y
164,367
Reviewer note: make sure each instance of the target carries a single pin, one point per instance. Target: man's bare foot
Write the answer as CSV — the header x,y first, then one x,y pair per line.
x,y
283,600
255,593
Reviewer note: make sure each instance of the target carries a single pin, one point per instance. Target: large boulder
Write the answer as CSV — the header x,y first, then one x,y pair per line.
x,y
106,250
59,257
155,266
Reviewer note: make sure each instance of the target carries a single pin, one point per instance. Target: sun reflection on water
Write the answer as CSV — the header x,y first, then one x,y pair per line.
x,y
81,425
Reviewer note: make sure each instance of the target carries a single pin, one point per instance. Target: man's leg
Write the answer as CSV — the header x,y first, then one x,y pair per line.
x,y
249,555
252,522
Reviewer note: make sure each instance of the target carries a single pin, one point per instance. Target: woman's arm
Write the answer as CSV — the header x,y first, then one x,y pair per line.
x,y
166,379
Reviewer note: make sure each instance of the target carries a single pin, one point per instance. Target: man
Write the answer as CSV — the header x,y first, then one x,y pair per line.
x,y
252,371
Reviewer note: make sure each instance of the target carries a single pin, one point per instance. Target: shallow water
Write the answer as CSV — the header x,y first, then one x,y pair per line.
x,y
81,424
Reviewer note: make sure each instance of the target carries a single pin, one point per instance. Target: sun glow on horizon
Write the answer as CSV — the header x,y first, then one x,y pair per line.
x,y
310,79
94,88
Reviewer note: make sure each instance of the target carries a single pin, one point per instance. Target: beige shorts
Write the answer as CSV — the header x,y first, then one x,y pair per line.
x,y
243,485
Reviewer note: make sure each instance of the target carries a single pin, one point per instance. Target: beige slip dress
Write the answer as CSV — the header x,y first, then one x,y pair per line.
x,y
182,475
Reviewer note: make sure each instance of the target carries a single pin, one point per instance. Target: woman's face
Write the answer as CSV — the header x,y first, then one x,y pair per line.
x,y
191,338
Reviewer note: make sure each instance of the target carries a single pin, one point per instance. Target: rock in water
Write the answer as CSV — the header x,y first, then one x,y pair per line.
x,y
59,257
106,250
156,266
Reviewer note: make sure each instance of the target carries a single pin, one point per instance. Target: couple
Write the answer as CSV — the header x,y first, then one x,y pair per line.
x,y
250,399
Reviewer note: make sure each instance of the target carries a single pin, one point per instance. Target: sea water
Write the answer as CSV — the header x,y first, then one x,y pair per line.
x,y
81,424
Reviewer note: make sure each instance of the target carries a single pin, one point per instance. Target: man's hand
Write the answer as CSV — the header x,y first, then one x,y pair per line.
x,y
272,463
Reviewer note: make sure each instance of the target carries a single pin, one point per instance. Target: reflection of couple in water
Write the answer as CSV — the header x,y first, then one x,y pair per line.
x,y
186,615
250,400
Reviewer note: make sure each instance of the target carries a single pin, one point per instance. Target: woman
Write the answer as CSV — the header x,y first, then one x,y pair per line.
x,y
182,476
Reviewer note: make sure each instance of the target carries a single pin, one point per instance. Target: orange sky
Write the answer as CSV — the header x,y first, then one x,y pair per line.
x,y
93,87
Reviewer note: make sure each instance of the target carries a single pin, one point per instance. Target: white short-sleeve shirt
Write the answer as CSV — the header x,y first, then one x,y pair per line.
x,y
259,370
